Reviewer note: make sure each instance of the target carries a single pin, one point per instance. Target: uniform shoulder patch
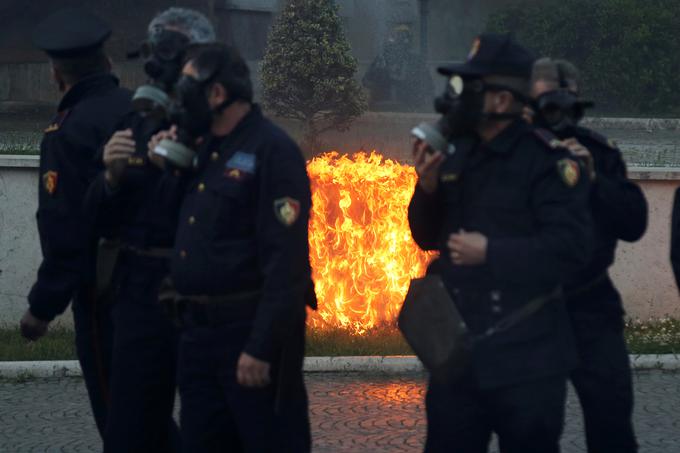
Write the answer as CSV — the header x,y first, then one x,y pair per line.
x,y
548,138
56,123
50,180
569,171
287,210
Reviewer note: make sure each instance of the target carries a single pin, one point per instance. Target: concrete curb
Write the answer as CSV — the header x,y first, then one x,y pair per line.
x,y
42,369
368,364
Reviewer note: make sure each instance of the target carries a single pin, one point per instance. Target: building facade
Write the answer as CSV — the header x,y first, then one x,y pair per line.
x,y
442,31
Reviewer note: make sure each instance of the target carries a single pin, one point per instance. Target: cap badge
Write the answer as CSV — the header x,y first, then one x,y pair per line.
x,y
476,44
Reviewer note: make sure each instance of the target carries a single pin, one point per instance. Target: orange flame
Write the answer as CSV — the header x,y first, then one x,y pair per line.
x,y
361,250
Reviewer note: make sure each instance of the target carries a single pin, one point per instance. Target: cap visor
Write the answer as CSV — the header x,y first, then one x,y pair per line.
x,y
464,69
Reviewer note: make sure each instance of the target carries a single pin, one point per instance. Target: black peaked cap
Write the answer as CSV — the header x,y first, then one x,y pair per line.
x,y
71,33
494,54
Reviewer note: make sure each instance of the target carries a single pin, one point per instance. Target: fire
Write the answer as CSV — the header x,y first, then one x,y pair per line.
x,y
362,253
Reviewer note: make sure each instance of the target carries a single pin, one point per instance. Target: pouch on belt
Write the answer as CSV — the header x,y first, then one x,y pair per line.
x,y
107,257
438,334
434,328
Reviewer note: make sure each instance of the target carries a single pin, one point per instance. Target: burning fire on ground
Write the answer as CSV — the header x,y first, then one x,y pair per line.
x,y
361,250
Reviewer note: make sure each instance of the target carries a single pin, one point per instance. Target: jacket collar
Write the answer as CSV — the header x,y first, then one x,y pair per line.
x,y
87,87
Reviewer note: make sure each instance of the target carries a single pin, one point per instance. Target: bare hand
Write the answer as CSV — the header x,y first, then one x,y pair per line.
x,y
31,327
117,151
468,249
427,166
528,114
252,372
581,152
156,159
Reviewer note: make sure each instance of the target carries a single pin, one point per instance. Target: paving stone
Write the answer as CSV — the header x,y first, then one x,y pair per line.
x,y
349,413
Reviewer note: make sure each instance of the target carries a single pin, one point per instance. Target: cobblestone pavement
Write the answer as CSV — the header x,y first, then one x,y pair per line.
x,y
350,413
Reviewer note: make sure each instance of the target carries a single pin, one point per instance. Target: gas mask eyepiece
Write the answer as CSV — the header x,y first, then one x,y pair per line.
x,y
560,110
461,107
164,56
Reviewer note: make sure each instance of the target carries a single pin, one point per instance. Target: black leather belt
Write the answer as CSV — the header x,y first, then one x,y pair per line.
x,y
149,252
215,311
579,290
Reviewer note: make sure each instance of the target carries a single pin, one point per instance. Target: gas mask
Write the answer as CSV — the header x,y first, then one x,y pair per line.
x,y
560,110
164,55
462,110
192,114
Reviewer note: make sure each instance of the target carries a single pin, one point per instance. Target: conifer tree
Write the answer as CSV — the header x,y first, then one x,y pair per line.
x,y
308,71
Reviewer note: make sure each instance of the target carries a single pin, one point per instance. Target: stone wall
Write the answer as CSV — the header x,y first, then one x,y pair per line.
x,y
642,271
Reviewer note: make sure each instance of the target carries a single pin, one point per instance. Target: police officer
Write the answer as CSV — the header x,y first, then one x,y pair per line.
x,y
619,210
142,203
241,267
505,207
91,106
399,77
675,237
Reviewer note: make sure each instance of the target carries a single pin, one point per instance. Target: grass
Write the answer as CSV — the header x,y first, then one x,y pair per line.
x,y
657,336
57,345
337,342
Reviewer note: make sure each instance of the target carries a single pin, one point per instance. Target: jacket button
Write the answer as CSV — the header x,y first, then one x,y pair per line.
x,y
192,220
214,156
201,187
495,296
183,254
496,309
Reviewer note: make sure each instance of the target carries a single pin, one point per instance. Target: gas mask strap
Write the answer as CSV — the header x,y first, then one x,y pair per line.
x,y
223,106
501,116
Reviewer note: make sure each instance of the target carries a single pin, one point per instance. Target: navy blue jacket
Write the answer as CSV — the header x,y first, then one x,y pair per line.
x,y
142,211
675,237
619,211
243,226
528,198
86,117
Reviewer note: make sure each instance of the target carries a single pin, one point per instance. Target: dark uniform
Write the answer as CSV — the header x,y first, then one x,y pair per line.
x,y
86,116
675,237
398,77
603,378
241,264
525,195
142,214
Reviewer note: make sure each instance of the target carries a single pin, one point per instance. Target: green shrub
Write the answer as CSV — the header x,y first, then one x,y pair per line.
x,y
627,50
308,71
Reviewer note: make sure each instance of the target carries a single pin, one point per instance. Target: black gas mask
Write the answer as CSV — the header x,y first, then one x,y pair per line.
x,y
164,57
560,110
462,110
192,114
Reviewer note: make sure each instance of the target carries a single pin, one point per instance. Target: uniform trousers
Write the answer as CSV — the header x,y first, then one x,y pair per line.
x,y
603,383
143,378
220,415
94,342
527,417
